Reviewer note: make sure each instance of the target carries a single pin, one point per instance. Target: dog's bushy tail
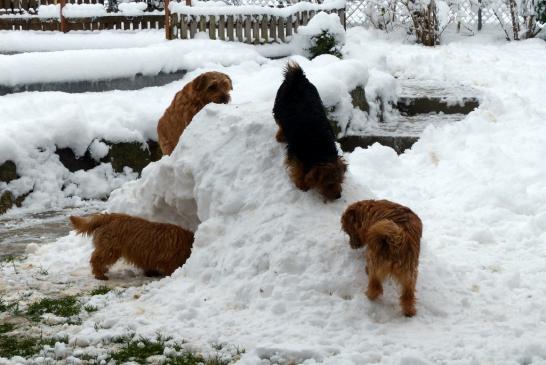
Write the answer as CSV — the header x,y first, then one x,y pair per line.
x,y
87,225
386,237
293,73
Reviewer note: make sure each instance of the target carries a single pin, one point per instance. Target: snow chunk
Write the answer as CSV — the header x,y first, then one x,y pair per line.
x,y
83,10
49,11
132,9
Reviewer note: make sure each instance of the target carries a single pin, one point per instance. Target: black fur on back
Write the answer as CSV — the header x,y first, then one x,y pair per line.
x,y
300,113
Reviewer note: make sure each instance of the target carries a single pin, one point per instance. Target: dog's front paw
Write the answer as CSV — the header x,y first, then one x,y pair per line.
x,y
101,277
375,290
409,312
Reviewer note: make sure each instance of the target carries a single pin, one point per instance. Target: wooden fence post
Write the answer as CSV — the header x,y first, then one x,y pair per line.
x,y
64,24
168,29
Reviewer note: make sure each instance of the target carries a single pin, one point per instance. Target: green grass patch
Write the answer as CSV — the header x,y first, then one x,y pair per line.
x,y
90,308
25,346
101,290
63,307
12,307
138,349
6,327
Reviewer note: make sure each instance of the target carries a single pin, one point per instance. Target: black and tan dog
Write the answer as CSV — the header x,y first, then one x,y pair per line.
x,y
312,157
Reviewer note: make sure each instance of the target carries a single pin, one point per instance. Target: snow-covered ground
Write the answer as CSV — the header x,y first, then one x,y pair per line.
x,y
271,270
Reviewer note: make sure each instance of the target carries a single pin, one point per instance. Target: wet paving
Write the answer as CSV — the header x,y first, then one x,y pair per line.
x,y
20,229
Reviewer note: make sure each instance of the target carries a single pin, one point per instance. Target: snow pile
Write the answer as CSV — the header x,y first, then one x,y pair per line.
x,y
132,9
280,251
83,10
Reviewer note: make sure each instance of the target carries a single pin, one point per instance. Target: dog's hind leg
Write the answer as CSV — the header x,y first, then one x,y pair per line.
x,y
101,261
375,280
375,288
407,299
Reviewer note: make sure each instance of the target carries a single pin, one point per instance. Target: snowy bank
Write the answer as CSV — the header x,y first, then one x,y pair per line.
x,y
104,64
40,41
32,128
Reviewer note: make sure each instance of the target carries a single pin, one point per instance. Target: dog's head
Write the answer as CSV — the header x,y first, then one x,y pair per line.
x,y
213,87
351,222
327,178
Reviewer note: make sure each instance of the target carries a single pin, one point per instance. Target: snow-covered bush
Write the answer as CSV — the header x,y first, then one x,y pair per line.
x,y
324,34
540,9
527,18
324,43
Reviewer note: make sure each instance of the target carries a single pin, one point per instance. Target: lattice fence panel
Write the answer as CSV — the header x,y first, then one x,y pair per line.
x,y
360,12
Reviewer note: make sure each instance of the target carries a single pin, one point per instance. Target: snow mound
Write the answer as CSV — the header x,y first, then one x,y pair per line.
x,y
270,265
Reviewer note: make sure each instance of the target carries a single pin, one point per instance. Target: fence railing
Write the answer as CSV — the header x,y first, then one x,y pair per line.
x,y
23,15
249,24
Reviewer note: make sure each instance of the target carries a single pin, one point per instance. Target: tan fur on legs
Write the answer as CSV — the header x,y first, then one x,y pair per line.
x,y
209,87
296,174
280,136
392,234
153,247
326,178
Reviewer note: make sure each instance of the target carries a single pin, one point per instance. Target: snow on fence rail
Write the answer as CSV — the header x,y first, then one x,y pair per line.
x,y
65,15
249,24
23,15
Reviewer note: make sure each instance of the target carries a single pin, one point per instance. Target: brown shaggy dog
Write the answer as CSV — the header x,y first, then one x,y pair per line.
x,y
393,234
157,248
311,153
210,87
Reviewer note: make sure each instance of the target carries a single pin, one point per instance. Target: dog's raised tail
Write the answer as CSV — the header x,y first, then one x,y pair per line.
x,y
293,72
385,236
86,225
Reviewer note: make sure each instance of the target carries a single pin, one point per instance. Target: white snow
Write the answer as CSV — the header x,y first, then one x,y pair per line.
x,y
271,270
74,65
49,11
40,41
83,10
132,9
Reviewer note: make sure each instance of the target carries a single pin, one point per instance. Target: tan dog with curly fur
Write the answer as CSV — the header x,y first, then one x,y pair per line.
x,y
210,87
157,248
393,234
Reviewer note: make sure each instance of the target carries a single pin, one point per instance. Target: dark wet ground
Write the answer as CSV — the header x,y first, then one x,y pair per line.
x,y
19,230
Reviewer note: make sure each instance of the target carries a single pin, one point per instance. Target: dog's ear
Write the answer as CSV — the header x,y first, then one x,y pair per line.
x,y
230,82
201,82
341,161
348,219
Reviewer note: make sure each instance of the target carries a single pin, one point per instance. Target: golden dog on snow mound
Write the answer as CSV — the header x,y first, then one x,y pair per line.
x,y
209,87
